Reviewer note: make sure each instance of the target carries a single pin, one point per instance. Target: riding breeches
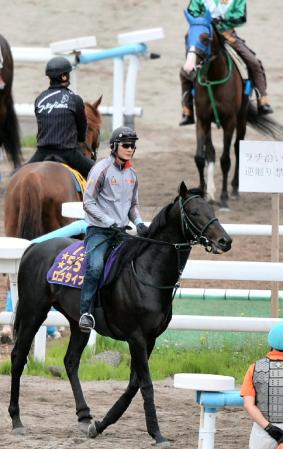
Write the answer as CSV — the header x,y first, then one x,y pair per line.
x,y
97,242
254,65
74,158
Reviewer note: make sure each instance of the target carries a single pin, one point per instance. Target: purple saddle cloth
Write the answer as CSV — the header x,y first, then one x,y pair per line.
x,y
69,266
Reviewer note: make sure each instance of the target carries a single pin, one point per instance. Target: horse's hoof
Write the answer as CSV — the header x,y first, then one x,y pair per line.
x,y
164,443
235,196
224,209
19,430
91,431
84,425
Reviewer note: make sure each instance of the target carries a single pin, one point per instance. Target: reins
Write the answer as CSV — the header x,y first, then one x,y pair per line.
x,y
198,238
180,248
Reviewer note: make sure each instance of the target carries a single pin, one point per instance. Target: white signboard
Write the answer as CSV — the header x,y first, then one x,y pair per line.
x,y
261,166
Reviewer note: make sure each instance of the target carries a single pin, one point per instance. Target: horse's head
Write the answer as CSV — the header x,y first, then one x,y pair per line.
x,y
198,221
198,41
92,140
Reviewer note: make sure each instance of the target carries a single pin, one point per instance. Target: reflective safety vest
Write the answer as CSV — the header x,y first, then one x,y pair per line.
x,y
268,383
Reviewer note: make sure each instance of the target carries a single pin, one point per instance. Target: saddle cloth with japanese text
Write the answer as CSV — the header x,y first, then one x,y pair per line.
x,y
69,266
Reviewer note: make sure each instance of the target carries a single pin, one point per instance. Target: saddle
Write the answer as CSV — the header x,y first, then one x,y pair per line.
x,y
79,180
69,266
69,269
238,61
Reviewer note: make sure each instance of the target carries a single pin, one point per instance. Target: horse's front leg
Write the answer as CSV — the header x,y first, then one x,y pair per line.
x,y
117,410
204,139
77,343
225,161
210,157
139,355
240,135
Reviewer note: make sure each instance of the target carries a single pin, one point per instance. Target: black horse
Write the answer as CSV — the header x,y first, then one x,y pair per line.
x,y
136,307
9,127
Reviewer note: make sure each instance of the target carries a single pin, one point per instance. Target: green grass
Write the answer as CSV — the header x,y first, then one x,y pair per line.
x,y
29,141
165,361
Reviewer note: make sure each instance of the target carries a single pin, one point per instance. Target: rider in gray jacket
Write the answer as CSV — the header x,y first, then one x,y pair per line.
x,y
110,202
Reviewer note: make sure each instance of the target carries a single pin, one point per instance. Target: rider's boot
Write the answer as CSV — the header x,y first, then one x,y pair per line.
x,y
263,106
188,117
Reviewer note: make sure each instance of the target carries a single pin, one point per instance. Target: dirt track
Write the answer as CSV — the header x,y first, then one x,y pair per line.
x,y
164,157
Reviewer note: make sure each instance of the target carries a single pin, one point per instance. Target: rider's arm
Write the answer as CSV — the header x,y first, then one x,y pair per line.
x,y
196,8
81,120
95,183
134,213
235,16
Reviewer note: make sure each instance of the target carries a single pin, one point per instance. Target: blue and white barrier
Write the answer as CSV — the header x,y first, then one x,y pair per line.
x,y
131,46
213,392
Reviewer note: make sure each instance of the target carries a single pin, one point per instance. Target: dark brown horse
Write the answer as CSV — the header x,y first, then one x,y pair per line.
x,y
219,97
9,128
35,193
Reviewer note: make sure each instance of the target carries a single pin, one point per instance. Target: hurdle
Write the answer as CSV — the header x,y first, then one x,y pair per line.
x,y
213,392
131,46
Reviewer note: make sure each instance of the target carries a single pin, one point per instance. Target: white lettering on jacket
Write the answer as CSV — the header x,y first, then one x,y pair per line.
x,y
50,106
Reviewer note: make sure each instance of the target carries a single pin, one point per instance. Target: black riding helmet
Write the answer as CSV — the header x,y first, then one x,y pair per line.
x,y
123,134
57,66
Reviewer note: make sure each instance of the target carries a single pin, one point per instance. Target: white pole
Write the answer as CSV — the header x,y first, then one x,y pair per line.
x,y
130,90
118,82
275,253
207,428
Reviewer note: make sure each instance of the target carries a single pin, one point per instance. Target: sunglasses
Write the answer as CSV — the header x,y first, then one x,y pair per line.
x,y
129,145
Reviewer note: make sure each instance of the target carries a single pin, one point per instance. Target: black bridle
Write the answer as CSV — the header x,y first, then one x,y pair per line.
x,y
196,232
198,238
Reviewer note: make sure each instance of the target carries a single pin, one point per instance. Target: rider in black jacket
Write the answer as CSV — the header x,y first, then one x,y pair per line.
x,y
61,119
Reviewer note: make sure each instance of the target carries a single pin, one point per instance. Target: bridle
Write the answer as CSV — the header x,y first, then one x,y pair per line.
x,y
196,232
198,238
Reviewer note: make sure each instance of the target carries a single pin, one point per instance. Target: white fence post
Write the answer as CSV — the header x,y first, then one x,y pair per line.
x,y
118,90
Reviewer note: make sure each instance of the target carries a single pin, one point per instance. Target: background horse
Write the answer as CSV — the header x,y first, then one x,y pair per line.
x,y
136,306
9,128
35,193
220,98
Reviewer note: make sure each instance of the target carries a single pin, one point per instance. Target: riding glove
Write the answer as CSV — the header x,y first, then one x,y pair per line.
x,y
275,432
142,230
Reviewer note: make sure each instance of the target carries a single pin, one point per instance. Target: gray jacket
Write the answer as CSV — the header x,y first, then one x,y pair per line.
x,y
111,194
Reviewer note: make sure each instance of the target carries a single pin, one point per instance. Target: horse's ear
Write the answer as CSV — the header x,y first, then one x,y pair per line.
x,y
208,16
97,102
183,189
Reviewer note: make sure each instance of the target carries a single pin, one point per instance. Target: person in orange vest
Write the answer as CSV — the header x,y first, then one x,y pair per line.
x,y
262,391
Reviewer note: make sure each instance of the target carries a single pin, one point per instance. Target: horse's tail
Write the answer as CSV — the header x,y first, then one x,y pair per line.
x,y
264,123
10,135
29,225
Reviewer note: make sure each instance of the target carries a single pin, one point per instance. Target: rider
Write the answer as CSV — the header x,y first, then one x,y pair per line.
x,y
227,15
262,389
61,119
110,201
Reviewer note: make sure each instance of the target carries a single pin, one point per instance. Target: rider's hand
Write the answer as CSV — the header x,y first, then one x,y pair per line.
x,y
114,227
142,230
275,432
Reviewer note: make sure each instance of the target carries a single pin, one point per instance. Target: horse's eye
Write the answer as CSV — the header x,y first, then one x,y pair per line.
x,y
204,38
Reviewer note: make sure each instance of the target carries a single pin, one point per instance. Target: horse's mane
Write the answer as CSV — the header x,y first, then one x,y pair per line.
x,y
135,247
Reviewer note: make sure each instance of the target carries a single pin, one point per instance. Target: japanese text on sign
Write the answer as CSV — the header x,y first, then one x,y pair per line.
x,y
261,166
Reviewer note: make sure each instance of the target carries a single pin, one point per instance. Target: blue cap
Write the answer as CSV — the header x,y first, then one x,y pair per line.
x,y
275,337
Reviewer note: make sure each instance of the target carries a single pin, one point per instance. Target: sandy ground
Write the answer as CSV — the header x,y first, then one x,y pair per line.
x,y
164,157
48,414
